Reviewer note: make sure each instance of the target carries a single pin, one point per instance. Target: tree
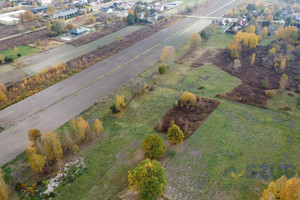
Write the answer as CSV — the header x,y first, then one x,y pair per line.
x,y
273,50
204,35
52,147
48,25
98,127
251,6
37,162
70,27
253,58
195,40
149,178
288,33
250,29
168,55
4,195
188,99
248,39
2,59
284,81
83,130
2,93
58,27
34,5
130,20
51,10
130,12
175,135
16,50
153,146
38,15
85,14
265,32
34,135
33,28
283,64
282,189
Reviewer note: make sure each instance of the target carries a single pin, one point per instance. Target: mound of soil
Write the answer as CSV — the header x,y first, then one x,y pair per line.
x,y
188,118
251,91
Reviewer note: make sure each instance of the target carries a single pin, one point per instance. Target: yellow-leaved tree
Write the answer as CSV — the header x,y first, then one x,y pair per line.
x,y
264,33
283,189
253,58
83,130
98,127
168,55
283,64
34,135
188,99
248,39
4,195
2,93
195,40
52,147
250,29
120,103
37,162
284,81
175,135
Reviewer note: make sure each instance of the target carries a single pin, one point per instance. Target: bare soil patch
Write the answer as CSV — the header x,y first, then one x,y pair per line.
x,y
188,118
251,91
24,39
47,44
15,29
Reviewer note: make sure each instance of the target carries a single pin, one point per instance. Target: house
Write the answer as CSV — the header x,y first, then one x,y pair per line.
x,y
286,12
67,13
107,10
241,23
251,13
78,31
39,9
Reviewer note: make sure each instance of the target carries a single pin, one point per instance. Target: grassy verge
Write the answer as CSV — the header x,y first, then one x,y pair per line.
x,y
23,50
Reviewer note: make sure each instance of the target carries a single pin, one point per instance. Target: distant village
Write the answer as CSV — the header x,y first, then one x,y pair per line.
x,y
148,11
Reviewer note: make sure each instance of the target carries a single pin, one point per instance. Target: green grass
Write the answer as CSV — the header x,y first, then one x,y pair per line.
x,y
266,41
282,99
219,40
23,50
233,155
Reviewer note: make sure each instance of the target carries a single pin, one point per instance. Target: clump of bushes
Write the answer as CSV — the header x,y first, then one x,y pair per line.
x,y
270,93
175,135
298,100
188,99
120,105
153,146
162,69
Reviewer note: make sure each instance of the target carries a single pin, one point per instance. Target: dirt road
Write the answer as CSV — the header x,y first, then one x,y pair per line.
x,y
54,106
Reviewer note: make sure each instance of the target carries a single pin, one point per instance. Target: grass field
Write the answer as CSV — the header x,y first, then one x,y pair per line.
x,y
23,50
219,40
181,7
234,154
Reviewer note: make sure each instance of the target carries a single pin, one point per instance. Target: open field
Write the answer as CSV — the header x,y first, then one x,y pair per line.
x,y
23,50
234,154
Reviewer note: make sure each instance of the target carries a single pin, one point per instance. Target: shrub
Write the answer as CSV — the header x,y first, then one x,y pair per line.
x,y
149,178
162,69
98,127
270,93
120,105
285,107
188,99
153,146
34,135
265,82
19,55
9,59
175,135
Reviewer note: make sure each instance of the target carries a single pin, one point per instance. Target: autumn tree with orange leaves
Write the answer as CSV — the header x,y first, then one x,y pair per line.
x,y
195,40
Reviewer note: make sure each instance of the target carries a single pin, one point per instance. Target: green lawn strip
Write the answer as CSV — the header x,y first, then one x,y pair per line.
x,y
240,138
23,50
266,41
219,40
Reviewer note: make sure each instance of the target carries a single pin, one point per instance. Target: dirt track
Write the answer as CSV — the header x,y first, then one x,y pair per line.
x,y
57,104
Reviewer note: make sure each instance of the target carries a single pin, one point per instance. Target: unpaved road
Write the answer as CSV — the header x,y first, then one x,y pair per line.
x,y
56,105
